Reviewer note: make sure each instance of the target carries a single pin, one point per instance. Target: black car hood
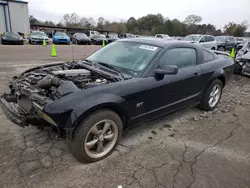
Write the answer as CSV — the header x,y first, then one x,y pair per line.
x,y
10,38
82,38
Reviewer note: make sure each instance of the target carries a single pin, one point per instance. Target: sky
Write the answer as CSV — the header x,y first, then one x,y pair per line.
x,y
216,12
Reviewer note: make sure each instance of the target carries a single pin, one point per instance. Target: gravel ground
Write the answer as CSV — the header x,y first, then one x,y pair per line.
x,y
189,148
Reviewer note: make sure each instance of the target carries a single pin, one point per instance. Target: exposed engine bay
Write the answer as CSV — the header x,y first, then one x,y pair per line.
x,y
44,84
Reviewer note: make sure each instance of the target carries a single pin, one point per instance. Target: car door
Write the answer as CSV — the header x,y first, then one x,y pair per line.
x,y
174,91
208,42
203,42
74,38
232,42
213,43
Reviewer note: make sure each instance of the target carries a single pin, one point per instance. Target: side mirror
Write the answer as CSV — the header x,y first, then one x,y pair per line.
x,y
166,70
201,41
227,40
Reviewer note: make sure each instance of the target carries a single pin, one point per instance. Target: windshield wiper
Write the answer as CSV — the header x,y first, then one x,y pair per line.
x,y
105,65
112,68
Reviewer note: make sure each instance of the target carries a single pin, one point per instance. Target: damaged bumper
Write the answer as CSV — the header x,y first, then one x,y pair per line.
x,y
12,113
17,116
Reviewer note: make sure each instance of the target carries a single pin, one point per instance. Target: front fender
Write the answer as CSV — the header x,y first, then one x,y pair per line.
x,y
69,114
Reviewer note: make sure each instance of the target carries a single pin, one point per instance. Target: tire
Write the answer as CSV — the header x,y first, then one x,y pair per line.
x,y
83,135
205,104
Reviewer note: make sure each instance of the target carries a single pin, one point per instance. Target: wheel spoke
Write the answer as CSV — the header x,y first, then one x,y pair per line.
x,y
211,100
91,143
105,127
216,91
214,88
99,147
94,130
109,137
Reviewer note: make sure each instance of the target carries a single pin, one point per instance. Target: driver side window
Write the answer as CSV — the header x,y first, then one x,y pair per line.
x,y
202,39
181,57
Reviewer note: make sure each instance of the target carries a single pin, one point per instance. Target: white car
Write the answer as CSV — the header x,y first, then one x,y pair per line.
x,y
165,36
207,41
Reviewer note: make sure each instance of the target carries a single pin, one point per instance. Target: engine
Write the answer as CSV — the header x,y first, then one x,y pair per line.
x,y
57,81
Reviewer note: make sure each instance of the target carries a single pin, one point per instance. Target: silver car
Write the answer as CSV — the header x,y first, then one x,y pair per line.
x,y
37,37
207,41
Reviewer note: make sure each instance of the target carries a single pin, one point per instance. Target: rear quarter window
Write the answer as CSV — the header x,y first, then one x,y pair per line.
x,y
208,56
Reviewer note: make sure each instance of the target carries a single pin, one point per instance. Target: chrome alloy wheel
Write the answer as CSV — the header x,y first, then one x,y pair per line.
x,y
214,96
101,138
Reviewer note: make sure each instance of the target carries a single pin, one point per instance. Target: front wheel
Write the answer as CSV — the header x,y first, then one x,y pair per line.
x,y
212,96
97,136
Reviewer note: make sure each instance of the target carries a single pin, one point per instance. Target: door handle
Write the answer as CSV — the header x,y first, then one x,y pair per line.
x,y
197,74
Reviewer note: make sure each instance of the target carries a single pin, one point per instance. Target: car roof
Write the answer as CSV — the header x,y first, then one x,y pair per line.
x,y
154,41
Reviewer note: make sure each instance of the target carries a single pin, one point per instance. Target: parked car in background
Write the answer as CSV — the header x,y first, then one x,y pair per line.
x,y
91,33
12,38
241,45
99,39
226,43
242,60
165,36
37,37
61,38
126,35
207,41
241,41
112,38
81,38
129,82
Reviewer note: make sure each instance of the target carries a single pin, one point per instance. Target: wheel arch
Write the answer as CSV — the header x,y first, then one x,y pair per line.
x,y
222,79
220,75
115,107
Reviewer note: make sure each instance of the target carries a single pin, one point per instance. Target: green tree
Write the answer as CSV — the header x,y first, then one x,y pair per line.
x,y
33,20
100,23
192,19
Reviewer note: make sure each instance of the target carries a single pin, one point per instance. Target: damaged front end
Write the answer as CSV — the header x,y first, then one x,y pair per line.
x,y
38,87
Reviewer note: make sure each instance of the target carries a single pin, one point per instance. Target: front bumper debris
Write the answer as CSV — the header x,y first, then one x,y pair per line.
x,y
11,112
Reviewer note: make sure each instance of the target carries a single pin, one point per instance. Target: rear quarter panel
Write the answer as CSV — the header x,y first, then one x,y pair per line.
x,y
219,68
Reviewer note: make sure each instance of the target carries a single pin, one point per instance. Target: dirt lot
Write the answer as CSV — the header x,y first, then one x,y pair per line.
x,y
190,148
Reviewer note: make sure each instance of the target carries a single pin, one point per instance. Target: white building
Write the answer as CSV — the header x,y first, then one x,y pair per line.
x,y
14,16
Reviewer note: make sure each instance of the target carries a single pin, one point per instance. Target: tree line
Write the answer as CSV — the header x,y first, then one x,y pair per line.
x,y
150,24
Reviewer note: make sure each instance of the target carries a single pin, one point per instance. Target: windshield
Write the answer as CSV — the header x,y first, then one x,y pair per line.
x,y
192,38
38,33
81,35
12,34
158,36
220,39
129,57
100,37
113,36
60,34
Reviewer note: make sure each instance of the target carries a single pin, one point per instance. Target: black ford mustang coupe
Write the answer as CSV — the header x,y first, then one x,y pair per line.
x,y
129,81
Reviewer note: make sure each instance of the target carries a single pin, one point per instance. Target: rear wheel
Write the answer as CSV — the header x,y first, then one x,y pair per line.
x,y
97,136
212,96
